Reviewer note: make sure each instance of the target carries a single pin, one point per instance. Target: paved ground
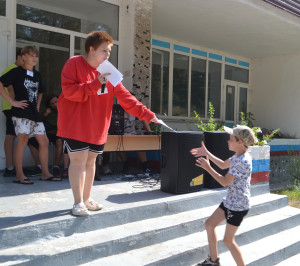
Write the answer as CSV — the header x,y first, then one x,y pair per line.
x,y
44,201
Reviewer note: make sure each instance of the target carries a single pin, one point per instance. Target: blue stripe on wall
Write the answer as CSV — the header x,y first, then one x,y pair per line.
x,y
284,147
198,52
260,165
230,60
215,56
181,48
245,64
160,43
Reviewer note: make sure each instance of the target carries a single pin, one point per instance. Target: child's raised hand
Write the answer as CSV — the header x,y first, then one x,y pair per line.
x,y
202,151
203,163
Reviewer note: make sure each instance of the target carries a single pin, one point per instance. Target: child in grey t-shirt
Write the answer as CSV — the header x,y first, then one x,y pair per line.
x,y
236,204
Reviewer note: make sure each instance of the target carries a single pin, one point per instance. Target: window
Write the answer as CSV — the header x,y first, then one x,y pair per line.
x,y
71,21
197,78
53,53
43,17
198,84
2,8
180,85
243,100
97,15
236,74
230,103
160,81
214,86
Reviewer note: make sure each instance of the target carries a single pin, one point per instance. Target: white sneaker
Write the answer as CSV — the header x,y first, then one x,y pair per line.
x,y
93,205
80,210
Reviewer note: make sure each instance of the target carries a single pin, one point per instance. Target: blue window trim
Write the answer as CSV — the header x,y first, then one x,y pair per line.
x,y
161,43
199,52
230,60
181,48
245,64
215,56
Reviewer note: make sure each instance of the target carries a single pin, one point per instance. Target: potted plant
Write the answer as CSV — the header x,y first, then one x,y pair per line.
x,y
216,142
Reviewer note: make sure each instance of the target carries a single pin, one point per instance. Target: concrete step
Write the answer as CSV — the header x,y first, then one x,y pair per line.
x,y
294,260
81,247
269,250
260,245
40,226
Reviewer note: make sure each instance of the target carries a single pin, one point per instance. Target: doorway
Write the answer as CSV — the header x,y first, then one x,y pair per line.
x,y
236,101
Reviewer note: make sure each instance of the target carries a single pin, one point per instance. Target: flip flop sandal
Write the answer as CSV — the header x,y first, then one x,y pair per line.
x,y
51,178
24,181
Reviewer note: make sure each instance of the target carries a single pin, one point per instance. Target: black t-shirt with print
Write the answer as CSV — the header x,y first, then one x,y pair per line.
x,y
26,85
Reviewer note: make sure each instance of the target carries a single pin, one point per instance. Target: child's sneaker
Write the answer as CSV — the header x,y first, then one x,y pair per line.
x,y
9,173
65,173
209,262
80,210
93,205
55,170
36,171
106,170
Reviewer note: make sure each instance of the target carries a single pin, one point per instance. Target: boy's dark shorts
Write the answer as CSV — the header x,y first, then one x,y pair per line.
x,y
76,146
10,129
233,217
52,138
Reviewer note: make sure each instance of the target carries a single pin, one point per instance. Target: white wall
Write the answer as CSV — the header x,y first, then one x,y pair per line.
x,y
126,49
276,93
3,64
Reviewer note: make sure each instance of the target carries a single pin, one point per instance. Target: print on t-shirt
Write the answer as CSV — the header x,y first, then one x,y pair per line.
x,y
32,89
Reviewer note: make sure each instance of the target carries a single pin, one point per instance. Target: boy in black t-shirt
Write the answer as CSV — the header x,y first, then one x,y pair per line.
x,y
27,120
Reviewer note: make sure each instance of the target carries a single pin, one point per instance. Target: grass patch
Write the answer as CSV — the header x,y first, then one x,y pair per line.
x,y
293,194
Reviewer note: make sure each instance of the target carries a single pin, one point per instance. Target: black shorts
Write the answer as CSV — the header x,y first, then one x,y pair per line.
x,y
52,138
233,217
33,142
10,129
76,146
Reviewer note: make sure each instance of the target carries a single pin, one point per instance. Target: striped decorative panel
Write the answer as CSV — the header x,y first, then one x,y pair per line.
x,y
260,163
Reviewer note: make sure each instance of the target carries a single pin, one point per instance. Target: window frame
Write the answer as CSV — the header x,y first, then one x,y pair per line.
x,y
238,61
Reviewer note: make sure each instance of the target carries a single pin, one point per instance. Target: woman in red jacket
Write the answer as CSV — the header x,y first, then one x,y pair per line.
x,y
84,115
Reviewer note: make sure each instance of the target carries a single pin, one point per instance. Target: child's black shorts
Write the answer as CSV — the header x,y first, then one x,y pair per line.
x,y
76,145
233,217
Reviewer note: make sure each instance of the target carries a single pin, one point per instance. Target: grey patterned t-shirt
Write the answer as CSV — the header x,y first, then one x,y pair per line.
x,y
238,193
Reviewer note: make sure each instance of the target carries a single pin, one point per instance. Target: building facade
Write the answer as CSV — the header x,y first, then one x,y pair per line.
x,y
176,56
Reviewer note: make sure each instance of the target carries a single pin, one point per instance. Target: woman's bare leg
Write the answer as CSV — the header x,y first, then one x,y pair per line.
x,y
77,174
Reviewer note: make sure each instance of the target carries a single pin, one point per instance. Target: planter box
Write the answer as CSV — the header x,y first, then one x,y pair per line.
x,y
260,163
282,151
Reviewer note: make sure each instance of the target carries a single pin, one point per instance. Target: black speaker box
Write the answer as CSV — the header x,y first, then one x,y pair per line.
x,y
216,143
117,121
179,174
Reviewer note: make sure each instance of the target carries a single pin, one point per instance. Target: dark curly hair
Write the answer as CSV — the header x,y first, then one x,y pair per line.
x,y
48,100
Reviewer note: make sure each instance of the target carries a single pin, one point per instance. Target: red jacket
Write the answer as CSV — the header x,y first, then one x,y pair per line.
x,y
82,114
